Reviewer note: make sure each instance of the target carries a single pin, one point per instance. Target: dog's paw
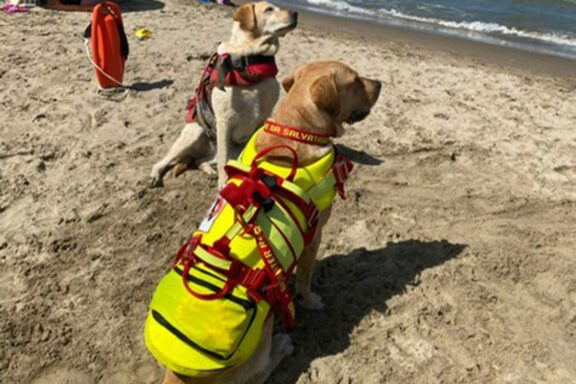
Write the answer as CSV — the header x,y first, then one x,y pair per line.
x,y
156,176
156,183
282,343
207,169
313,302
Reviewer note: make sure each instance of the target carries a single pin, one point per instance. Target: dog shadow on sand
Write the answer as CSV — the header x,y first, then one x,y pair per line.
x,y
351,287
357,156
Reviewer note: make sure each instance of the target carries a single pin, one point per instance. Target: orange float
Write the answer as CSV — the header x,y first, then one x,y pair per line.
x,y
109,44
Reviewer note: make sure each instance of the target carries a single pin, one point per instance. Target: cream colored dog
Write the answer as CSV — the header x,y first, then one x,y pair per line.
x,y
238,111
321,97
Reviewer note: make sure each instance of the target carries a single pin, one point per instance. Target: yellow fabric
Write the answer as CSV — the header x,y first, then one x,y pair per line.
x,y
228,333
207,257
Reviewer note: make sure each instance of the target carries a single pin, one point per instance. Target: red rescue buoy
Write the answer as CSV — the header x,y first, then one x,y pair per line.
x,y
109,44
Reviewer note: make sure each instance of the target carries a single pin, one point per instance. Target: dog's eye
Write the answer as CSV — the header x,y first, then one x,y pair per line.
x,y
269,10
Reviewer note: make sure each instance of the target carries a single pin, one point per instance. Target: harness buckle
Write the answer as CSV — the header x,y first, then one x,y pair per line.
x,y
266,203
270,181
238,62
313,215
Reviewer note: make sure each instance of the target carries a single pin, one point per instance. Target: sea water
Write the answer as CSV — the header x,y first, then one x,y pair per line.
x,y
547,26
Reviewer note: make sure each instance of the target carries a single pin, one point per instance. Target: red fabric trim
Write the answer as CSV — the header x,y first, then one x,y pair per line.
x,y
295,134
341,168
279,290
253,74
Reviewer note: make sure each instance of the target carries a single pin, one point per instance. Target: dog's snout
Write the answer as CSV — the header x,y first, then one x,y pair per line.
x,y
378,85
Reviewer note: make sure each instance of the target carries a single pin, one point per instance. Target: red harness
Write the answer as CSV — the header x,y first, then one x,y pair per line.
x,y
226,71
261,189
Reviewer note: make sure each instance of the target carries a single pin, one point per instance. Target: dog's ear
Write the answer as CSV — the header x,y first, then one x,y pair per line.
x,y
325,94
288,82
290,79
246,16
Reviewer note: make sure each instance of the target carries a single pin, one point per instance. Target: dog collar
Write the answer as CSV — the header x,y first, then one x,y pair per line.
x,y
296,134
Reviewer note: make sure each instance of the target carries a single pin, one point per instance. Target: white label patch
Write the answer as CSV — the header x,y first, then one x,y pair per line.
x,y
212,214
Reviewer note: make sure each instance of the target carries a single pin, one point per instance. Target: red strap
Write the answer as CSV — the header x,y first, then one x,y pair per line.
x,y
278,291
273,276
185,255
250,75
341,169
266,151
213,296
186,251
190,109
296,134
251,279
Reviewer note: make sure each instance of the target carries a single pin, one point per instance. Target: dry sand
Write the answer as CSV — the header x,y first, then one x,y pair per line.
x,y
453,260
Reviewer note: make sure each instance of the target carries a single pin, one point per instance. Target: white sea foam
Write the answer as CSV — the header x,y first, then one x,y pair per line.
x,y
341,6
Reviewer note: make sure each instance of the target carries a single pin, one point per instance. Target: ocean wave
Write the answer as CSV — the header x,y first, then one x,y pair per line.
x,y
490,28
341,6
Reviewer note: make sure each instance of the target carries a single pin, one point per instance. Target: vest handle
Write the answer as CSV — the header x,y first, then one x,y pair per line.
x,y
266,151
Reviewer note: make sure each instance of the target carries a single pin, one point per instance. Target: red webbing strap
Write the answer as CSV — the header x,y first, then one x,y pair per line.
x,y
230,75
203,91
341,169
237,195
187,257
264,152
251,279
278,292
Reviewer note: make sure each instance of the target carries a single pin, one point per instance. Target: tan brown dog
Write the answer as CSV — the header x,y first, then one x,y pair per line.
x,y
322,96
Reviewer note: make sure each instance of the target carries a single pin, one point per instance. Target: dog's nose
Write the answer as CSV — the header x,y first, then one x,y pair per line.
x,y
378,85
294,15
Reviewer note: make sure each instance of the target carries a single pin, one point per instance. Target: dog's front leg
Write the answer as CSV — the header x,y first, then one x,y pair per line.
x,y
305,296
223,146
271,351
191,143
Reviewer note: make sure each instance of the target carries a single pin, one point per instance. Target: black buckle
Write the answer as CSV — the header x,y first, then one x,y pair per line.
x,y
270,181
238,62
267,203
241,62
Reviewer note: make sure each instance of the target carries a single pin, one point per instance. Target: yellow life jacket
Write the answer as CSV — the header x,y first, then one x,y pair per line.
x,y
207,314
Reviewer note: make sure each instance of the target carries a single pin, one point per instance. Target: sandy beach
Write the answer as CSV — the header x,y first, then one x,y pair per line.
x,y
452,261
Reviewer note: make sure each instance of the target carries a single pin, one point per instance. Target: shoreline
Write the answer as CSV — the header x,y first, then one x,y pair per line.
x,y
459,46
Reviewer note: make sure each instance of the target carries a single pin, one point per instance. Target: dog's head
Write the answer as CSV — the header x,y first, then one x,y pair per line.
x,y
265,19
336,90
